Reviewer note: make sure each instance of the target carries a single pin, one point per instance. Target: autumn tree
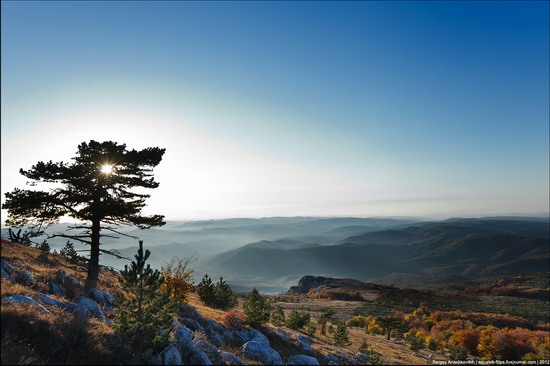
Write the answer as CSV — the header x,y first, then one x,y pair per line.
x,y
324,317
95,188
388,323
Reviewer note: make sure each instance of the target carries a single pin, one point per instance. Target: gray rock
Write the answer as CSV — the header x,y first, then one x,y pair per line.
x,y
104,298
198,357
231,359
56,289
360,358
191,324
24,277
184,341
88,307
6,270
302,360
25,300
305,339
262,353
211,351
332,359
65,279
54,302
171,356
332,363
282,333
254,336
186,311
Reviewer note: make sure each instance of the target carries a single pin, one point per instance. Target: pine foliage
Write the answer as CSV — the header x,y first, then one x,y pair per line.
x,y
341,335
146,310
256,308
69,253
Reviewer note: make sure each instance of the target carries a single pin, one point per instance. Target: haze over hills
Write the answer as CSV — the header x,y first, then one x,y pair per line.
x,y
273,253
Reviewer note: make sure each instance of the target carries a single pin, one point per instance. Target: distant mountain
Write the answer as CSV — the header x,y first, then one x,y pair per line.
x,y
443,252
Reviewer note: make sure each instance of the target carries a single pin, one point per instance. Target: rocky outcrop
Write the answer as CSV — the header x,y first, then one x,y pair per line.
x,y
253,335
184,341
54,302
25,300
6,270
231,359
104,298
307,283
89,308
262,353
302,360
171,356
210,350
198,357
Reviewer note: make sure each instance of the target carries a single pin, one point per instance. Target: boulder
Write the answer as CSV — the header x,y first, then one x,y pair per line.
x,y
56,289
198,357
184,341
6,270
104,298
24,277
262,353
65,279
88,307
54,302
254,336
186,311
171,356
282,333
210,350
191,324
302,360
231,359
25,300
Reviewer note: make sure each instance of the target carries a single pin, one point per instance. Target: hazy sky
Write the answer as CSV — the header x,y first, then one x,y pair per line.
x,y
290,108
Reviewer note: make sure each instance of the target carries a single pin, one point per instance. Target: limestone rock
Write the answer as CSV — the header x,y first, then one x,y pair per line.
x,y
198,357
231,359
262,353
171,356
6,270
184,341
191,324
65,279
54,302
254,335
88,307
302,360
24,277
104,298
211,351
25,300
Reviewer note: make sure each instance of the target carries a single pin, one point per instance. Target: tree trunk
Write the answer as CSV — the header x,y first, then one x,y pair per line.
x,y
93,263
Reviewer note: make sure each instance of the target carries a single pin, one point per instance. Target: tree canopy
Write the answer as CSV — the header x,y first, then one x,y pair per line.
x,y
95,188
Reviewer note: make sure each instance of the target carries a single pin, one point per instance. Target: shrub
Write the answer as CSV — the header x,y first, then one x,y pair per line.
x,y
277,316
357,321
207,291
256,308
341,335
178,279
232,319
324,316
297,319
458,353
147,310
224,298
372,357
69,253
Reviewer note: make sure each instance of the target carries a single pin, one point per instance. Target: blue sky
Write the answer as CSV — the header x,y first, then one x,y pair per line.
x,y
291,108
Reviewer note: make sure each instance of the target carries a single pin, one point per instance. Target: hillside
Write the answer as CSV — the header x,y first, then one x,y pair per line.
x,y
430,253
45,321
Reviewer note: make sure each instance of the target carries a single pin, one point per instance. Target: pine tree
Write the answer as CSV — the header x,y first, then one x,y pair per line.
x,y
297,319
224,298
69,253
256,308
44,250
95,188
207,291
372,357
325,316
147,310
277,316
341,335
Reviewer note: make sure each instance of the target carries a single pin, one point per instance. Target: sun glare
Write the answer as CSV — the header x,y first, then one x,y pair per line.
x,y
106,169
